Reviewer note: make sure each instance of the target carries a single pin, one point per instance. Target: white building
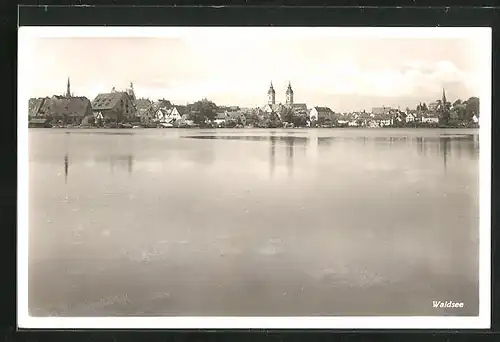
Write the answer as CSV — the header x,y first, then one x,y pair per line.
x,y
430,119
410,117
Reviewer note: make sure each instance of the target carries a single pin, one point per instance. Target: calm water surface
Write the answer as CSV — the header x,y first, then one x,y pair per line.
x,y
253,222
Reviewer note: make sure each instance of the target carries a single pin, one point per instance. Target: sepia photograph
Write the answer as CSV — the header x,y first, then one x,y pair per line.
x,y
254,177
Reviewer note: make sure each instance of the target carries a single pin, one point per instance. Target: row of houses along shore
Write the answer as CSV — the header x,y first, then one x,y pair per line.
x,y
121,109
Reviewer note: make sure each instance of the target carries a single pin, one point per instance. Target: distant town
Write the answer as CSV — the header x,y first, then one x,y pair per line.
x,y
122,109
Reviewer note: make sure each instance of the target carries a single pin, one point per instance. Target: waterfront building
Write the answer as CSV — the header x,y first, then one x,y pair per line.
x,y
67,108
114,106
321,113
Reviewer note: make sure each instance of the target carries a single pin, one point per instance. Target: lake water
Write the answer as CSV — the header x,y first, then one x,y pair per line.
x,y
253,222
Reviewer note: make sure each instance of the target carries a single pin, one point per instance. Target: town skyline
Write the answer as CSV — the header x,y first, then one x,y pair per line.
x,y
343,73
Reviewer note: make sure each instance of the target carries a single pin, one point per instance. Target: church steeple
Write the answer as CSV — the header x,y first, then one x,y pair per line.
x,y
444,98
271,95
289,94
68,89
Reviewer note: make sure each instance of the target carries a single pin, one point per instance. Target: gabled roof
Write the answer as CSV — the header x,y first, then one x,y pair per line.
x,y
381,110
235,114
108,100
323,110
299,106
35,104
276,107
164,103
143,104
182,109
61,105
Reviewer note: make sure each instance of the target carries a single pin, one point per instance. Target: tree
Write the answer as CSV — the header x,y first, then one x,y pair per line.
x,y
288,115
202,110
472,108
252,117
274,121
443,113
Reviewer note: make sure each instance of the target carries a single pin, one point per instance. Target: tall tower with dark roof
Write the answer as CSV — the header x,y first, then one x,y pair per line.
x,y
68,89
289,94
271,95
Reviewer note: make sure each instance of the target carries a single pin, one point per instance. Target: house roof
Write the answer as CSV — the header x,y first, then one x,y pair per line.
x,y
108,100
61,105
299,106
143,104
35,104
381,110
164,103
182,109
235,114
323,110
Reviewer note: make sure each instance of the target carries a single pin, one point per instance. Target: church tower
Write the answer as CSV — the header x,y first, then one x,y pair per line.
x,y
289,94
271,95
444,99
68,89
130,91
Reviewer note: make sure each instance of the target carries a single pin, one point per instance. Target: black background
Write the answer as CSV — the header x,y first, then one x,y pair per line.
x,y
240,13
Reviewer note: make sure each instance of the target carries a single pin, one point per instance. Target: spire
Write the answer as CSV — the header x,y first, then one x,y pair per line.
x,y
271,88
444,97
289,94
271,94
131,86
68,89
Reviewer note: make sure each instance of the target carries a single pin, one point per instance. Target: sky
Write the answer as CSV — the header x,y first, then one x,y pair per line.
x,y
235,67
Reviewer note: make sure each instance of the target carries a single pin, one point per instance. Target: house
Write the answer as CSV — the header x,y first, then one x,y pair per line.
x,y
381,120
35,105
430,119
185,120
411,117
381,110
298,108
176,113
220,117
161,115
66,109
321,114
145,110
276,108
114,106
433,106
475,119
237,116
39,123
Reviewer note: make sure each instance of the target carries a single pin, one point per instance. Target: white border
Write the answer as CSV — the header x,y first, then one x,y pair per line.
x,y
480,322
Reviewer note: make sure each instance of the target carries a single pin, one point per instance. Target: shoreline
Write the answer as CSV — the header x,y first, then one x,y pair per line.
x,y
261,128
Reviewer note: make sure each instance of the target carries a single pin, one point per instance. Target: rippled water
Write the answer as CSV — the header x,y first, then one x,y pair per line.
x,y
253,222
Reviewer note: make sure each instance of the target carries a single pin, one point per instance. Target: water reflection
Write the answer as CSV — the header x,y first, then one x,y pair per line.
x,y
444,147
272,156
124,162
289,142
66,167
440,146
